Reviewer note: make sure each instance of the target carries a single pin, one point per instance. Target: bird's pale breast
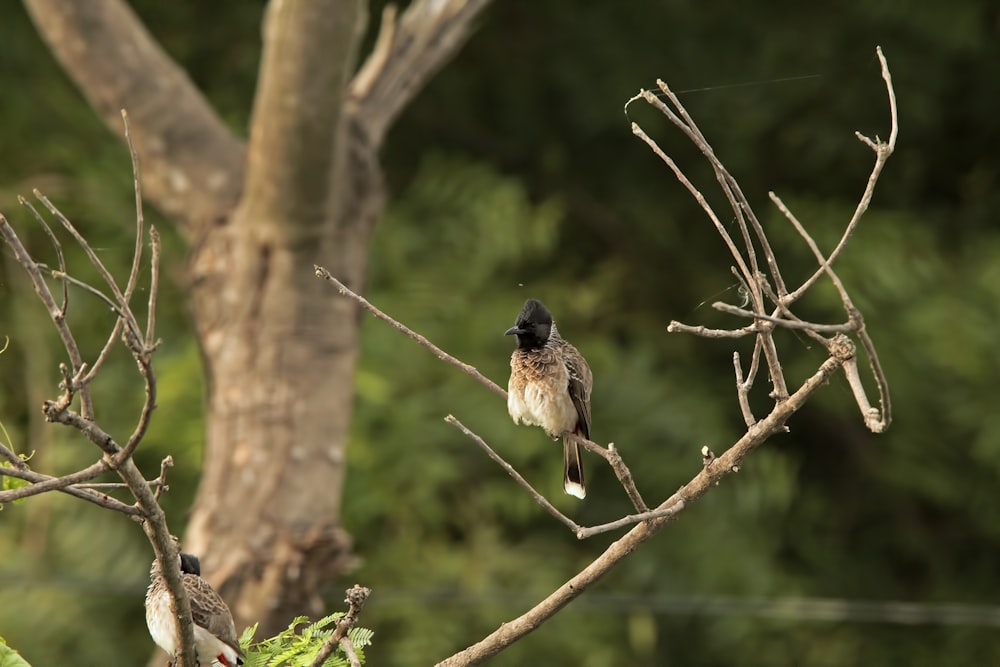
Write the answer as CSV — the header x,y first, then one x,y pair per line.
x,y
538,392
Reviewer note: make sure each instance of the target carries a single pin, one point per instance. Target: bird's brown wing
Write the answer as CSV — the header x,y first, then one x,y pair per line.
x,y
209,610
581,381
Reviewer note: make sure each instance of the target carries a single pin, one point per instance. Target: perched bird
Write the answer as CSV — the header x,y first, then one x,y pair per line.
x,y
214,631
549,386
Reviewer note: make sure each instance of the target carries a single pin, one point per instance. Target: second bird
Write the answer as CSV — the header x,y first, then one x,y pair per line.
x,y
549,386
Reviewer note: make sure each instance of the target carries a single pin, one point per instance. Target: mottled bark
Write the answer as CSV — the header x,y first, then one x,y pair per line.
x,y
279,357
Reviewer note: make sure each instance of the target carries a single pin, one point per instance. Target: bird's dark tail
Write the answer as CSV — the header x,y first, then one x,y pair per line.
x,y
573,469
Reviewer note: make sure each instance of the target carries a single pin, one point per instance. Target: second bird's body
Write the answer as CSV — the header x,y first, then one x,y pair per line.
x,y
550,384
214,632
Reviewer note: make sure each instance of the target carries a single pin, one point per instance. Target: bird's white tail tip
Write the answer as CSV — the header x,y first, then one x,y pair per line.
x,y
575,490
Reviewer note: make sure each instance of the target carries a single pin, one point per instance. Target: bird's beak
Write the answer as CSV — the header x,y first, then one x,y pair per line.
x,y
513,331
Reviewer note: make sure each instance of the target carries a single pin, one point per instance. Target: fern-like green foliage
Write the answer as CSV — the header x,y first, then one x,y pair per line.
x,y
5,481
298,646
9,657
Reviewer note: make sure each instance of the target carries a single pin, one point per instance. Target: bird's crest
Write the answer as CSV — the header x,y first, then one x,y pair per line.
x,y
534,312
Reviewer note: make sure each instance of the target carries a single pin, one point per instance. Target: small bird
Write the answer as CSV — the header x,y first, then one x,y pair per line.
x,y
214,631
549,386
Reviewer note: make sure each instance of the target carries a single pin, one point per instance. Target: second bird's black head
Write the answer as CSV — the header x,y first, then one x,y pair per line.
x,y
533,325
190,564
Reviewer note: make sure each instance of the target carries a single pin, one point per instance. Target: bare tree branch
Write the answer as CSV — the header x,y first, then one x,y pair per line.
x,y
57,313
743,392
882,152
709,476
699,330
748,272
757,284
193,163
841,349
115,457
609,454
539,498
614,459
44,483
622,472
876,420
438,352
69,484
407,54
140,232
781,322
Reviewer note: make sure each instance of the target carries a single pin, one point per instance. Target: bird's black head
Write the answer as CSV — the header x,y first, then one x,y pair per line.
x,y
533,325
190,564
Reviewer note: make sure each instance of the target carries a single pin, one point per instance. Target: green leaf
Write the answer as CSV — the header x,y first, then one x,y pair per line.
x,y
9,657
7,482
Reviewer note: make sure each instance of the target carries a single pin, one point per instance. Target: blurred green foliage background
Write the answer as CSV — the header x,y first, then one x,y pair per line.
x,y
515,174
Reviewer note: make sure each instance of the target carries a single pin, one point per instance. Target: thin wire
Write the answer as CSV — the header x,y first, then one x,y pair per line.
x,y
786,609
813,609
746,84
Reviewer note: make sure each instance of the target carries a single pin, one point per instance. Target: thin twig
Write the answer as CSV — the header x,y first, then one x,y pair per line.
x,y
438,352
44,483
114,485
154,288
133,276
631,519
754,363
167,462
740,207
88,250
743,392
348,647
724,307
80,491
882,153
539,498
680,327
610,454
55,312
885,417
694,192
59,254
145,414
734,194
622,472
355,599
84,379
86,287
881,422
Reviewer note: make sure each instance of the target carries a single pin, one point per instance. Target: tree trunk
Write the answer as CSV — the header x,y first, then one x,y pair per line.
x,y
277,352
279,347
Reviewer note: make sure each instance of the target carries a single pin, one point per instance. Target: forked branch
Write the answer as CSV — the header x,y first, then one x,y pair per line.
x,y
770,303
768,307
77,378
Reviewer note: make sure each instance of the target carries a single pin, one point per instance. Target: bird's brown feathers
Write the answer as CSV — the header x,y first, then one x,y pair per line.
x,y
581,380
209,610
